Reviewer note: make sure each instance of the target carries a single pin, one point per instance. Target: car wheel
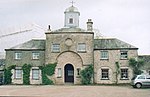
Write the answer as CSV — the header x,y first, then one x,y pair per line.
x,y
138,85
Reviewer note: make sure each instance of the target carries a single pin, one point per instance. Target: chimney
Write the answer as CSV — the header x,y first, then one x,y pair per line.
x,y
89,25
49,28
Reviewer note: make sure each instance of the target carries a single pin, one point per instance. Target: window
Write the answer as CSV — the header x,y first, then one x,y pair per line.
x,y
35,74
55,47
18,73
18,55
78,71
70,73
147,77
59,72
123,54
35,55
141,77
104,54
81,47
124,73
71,21
105,73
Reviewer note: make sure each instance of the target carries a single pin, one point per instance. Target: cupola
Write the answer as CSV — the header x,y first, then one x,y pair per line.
x,y
71,17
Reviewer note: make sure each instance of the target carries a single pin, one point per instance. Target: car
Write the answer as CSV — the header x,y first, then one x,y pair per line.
x,y
140,81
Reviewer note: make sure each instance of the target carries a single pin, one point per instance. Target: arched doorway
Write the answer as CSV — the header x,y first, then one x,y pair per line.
x,y
69,73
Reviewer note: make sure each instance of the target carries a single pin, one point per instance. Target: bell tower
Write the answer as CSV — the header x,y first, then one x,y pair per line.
x,y
71,17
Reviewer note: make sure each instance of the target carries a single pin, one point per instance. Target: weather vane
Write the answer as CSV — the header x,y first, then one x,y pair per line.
x,y
72,2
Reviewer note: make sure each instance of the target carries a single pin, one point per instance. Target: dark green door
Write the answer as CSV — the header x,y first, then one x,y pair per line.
x,y
69,73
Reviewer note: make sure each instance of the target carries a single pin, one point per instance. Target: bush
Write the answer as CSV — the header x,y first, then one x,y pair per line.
x,y
49,70
8,74
87,74
26,74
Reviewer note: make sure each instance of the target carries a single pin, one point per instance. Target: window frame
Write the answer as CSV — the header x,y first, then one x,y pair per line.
x,y
124,55
104,74
81,47
18,75
124,73
104,55
35,55
59,73
78,71
18,55
37,74
55,48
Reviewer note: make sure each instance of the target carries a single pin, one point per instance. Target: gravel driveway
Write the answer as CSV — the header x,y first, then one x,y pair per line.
x,y
73,91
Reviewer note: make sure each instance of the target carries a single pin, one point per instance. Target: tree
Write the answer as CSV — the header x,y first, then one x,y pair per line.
x,y
136,65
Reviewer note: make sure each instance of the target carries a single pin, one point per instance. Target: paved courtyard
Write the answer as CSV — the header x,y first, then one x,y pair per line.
x,y
73,91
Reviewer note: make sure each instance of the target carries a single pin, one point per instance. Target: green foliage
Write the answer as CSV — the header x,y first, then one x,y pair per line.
x,y
8,74
136,65
117,66
87,74
26,74
49,70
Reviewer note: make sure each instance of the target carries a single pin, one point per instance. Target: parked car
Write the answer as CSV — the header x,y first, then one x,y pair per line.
x,y
140,80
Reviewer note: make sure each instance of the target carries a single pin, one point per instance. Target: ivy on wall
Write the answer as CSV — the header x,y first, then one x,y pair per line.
x,y
87,74
47,70
26,74
8,74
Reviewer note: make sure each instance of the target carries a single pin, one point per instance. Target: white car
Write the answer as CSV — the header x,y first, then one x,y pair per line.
x,y
140,80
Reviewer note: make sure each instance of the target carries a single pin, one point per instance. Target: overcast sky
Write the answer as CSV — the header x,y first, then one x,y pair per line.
x,y
127,20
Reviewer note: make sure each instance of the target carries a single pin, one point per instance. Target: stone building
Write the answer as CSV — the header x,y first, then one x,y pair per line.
x,y
73,49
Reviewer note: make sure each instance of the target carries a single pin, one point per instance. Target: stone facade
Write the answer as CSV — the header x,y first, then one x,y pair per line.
x,y
73,49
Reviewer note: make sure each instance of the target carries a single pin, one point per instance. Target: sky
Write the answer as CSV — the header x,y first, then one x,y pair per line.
x,y
127,20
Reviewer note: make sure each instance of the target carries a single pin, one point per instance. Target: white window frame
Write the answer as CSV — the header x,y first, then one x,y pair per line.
x,y
59,72
124,74
18,73
123,54
81,47
105,74
35,55
55,48
18,55
35,74
104,55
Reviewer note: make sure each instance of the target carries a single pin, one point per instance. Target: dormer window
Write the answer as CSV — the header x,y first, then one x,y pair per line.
x,y
70,20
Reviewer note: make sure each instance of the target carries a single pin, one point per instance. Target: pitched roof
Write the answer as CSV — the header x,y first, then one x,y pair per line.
x,y
111,43
34,44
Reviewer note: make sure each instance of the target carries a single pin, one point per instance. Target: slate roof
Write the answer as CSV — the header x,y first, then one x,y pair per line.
x,y
34,44
111,43
103,43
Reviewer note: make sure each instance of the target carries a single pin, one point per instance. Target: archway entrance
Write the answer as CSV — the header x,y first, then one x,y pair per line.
x,y
69,73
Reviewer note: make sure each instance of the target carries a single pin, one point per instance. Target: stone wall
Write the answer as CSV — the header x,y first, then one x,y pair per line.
x,y
26,58
114,56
